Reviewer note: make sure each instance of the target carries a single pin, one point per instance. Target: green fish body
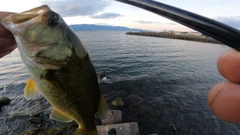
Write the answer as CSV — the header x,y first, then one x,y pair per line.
x,y
59,66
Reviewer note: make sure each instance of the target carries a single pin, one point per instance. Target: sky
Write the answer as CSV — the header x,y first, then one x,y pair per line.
x,y
111,12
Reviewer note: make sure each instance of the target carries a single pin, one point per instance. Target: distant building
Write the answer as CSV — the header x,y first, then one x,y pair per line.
x,y
165,31
195,33
177,33
171,32
183,32
180,33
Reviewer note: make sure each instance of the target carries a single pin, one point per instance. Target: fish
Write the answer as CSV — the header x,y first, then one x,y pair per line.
x,y
59,66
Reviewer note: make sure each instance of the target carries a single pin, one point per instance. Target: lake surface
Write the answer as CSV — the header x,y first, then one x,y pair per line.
x,y
163,82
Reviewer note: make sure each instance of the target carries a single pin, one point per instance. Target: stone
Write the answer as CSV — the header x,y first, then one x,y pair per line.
x,y
115,94
97,121
102,74
173,127
66,129
35,120
4,101
117,102
34,131
121,129
35,115
133,100
113,117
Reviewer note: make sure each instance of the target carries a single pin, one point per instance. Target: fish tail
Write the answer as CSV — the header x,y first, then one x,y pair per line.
x,y
80,131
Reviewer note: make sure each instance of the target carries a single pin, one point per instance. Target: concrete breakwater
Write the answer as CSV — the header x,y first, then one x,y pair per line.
x,y
176,36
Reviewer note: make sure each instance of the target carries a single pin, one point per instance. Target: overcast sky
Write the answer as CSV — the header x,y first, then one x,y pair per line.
x,y
110,12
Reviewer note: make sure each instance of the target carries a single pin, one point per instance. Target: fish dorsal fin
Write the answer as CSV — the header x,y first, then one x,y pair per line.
x,y
58,116
102,109
31,90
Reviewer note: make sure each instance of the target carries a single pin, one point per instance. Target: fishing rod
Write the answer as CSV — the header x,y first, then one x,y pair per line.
x,y
219,31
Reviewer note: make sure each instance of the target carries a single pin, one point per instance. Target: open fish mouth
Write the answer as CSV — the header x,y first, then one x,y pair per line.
x,y
16,22
38,32
27,15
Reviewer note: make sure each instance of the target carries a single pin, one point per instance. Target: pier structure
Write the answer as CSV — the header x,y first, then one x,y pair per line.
x,y
176,36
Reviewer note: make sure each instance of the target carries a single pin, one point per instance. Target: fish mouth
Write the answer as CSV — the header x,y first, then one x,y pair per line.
x,y
15,21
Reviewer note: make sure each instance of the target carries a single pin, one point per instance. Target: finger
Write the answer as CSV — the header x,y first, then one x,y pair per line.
x,y
6,42
6,50
6,46
3,31
3,54
229,65
224,101
4,14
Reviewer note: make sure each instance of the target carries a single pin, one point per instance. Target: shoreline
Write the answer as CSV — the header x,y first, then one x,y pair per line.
x,y
175,36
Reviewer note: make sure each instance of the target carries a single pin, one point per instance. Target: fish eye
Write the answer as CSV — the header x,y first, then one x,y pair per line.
x,y
52,22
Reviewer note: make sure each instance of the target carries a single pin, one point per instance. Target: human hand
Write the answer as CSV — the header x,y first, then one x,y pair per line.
x,y
7,41
224,98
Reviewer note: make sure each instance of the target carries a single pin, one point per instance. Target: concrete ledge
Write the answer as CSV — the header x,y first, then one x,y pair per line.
x,y
122,129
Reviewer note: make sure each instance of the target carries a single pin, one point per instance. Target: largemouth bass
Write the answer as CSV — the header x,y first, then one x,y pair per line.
x,y
59,67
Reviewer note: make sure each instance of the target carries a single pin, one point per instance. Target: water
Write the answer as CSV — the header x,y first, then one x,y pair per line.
x,y
162,82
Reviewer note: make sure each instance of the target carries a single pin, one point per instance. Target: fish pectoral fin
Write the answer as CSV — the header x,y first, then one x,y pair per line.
x,y
102,109
58,116
31,90
80,131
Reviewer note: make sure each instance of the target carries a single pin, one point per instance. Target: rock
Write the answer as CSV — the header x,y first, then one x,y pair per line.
x,y
117,102
133,100
34,131
121,129
103,78
4,101
172,127
39,126
35,115
35,120
97,121
102,74
67,129
113,117
115,94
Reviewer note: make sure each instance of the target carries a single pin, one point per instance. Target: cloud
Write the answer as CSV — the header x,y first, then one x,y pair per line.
x,y
233,21
106,16
146,22
69,8
215,3
152,22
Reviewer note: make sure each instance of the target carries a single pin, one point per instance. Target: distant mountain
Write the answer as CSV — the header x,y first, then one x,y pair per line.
x,y
93,27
